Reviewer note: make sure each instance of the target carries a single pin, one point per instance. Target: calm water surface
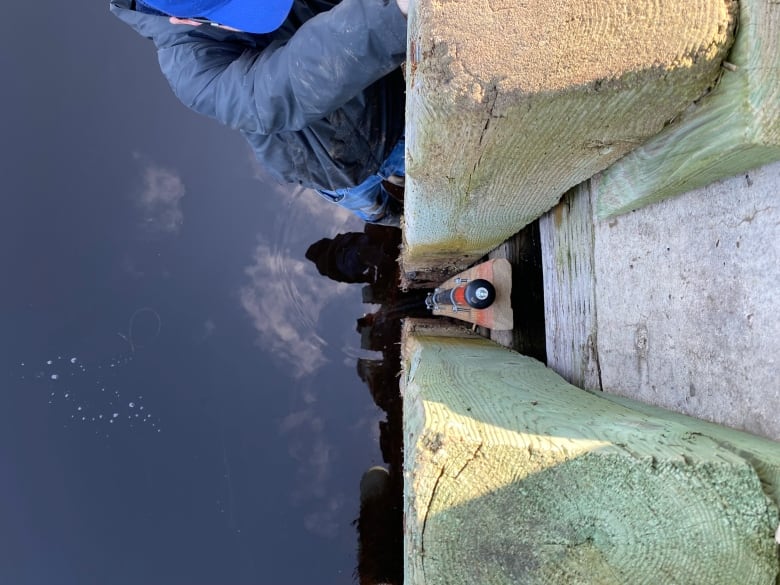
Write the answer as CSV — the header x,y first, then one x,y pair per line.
x,y
179,402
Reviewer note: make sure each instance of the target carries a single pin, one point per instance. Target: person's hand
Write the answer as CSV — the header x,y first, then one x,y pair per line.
x,y
403,5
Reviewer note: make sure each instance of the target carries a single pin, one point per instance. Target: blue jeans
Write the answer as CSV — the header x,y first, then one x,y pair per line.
x,y
369,200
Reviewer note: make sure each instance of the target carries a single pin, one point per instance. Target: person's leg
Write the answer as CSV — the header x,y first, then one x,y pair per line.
x,y
369,200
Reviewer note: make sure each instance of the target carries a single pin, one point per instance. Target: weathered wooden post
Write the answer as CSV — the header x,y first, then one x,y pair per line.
x,y
512,475
509,104
734,129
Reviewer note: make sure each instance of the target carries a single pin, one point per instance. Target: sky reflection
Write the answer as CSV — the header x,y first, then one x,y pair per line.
x,y
240,458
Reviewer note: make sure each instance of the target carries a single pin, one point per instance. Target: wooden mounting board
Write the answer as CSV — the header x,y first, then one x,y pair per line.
x,y
497,316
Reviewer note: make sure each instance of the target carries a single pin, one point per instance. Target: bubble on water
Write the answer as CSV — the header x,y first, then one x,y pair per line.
x,y
87,389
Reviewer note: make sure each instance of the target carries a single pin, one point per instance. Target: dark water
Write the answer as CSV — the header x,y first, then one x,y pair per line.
x,y
179,400
179,411
179,392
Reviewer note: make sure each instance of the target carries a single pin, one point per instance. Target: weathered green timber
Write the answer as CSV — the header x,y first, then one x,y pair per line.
x,y
509,104
734,129
515,476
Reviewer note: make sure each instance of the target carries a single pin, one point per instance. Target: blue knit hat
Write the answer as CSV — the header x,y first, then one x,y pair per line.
x,y
255,16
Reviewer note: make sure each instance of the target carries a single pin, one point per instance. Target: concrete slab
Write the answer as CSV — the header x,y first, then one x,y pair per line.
x,y
687,302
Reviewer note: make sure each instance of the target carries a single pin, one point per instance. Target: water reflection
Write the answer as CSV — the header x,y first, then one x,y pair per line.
x,y
370,257
282,297
354,256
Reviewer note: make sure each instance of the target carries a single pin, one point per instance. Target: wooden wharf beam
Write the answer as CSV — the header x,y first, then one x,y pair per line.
x,y
734,129
510,104
512,475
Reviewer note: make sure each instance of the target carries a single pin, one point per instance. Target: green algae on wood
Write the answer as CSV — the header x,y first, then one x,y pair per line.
x,y
734,129
515,476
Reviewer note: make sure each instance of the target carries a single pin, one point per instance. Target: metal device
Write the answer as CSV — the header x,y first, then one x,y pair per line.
x,y
466,295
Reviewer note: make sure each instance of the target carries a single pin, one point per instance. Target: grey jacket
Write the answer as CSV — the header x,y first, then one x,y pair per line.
x,y
320,100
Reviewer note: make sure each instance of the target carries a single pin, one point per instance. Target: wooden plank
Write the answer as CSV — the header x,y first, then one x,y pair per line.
x,y
566,234
510,104
673,305
687,297
734,129
513,475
